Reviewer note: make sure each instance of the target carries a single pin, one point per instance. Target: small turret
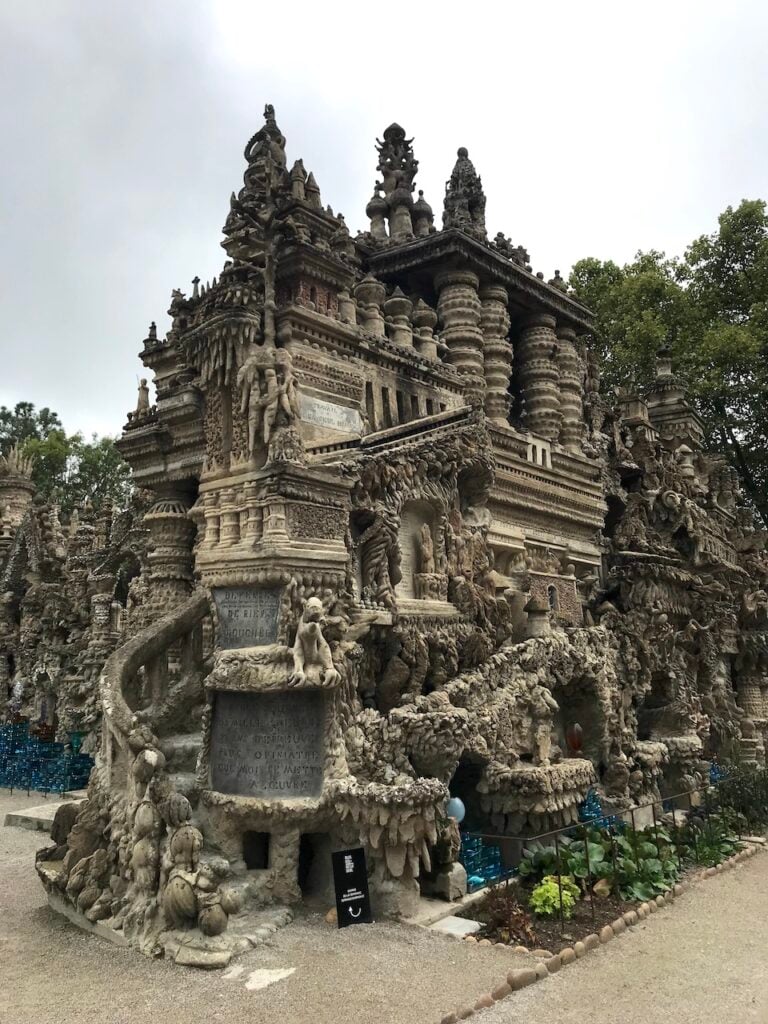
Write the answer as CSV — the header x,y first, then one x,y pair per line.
x,y
312,192
423,218
669,410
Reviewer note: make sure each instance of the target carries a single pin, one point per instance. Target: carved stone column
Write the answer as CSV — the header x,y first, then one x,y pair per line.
x,y
170,558
536,364
459,310
749,696
497,351
571,407
424,320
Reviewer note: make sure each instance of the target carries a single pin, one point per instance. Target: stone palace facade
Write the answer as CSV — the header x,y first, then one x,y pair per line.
x,y
398,545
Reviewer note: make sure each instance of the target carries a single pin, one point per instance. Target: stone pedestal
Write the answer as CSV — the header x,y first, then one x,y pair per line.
x,y
536,363
430,586
497,351
450,883
459,310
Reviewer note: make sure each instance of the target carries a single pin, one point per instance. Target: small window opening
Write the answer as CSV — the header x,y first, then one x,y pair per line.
x,y
256,850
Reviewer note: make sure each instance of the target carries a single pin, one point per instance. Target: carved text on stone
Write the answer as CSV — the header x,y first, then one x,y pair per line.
x,y
268,745
247,616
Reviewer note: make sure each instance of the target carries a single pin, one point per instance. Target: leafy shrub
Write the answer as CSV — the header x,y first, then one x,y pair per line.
x,y
707,841
506,916
546,898
742,795
640,864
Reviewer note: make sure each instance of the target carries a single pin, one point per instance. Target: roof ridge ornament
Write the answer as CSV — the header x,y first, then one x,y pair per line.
x,y
464,203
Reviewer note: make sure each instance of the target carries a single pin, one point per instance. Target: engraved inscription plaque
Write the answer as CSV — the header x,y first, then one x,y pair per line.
x,y
247,616
268,744
329,414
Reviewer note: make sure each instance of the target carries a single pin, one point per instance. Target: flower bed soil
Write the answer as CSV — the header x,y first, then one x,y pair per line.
x,y
549,932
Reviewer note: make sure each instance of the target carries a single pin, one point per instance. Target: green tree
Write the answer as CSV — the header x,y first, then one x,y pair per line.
x,y
22,422
67,469
98,473
51,455
711,308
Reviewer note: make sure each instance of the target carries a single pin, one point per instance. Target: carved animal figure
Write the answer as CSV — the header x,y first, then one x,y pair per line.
x,y
312,661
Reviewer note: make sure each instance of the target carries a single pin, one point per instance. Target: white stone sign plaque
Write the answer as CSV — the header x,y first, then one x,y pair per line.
x,y
329,415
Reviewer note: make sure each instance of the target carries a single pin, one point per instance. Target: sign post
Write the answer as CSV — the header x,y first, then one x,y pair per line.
x,y
350,880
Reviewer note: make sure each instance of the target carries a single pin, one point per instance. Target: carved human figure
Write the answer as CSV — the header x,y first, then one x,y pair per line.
x,y
289,399
543,707
270,402
426,549
312,661
142,403
268,393
249,381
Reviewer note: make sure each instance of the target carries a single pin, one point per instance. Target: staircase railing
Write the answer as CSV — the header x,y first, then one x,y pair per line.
x,y
181,630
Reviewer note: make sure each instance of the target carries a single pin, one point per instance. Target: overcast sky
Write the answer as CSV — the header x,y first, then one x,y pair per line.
x,y
598,129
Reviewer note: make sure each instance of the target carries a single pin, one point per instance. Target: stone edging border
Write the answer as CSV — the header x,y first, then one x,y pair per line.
x,y
522,977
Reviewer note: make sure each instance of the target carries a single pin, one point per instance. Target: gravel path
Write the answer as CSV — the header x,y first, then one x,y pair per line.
x,y
52,973
698,962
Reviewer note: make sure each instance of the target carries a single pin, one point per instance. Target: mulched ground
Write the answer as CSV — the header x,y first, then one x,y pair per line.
x,y
549,932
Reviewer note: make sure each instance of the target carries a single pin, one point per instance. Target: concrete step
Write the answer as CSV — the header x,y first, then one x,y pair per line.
x,y
458,927
40,818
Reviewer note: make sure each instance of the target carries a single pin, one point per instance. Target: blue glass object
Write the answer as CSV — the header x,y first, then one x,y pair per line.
x,y
27,762
482,862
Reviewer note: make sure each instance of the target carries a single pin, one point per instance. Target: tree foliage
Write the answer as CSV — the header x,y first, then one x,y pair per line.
x,y
711,308
67,469
23,422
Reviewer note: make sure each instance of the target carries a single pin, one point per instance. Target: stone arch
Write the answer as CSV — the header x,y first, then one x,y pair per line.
x,y
580,704
24,561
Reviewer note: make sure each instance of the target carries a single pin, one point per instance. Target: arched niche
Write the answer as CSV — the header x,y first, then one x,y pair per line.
x,y
580,704
418,542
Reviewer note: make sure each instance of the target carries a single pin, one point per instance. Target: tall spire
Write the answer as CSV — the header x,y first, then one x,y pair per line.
x,y
266,177
464,204
397,166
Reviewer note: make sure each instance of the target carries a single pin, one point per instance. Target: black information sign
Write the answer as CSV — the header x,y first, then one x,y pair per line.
x,y
350,879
